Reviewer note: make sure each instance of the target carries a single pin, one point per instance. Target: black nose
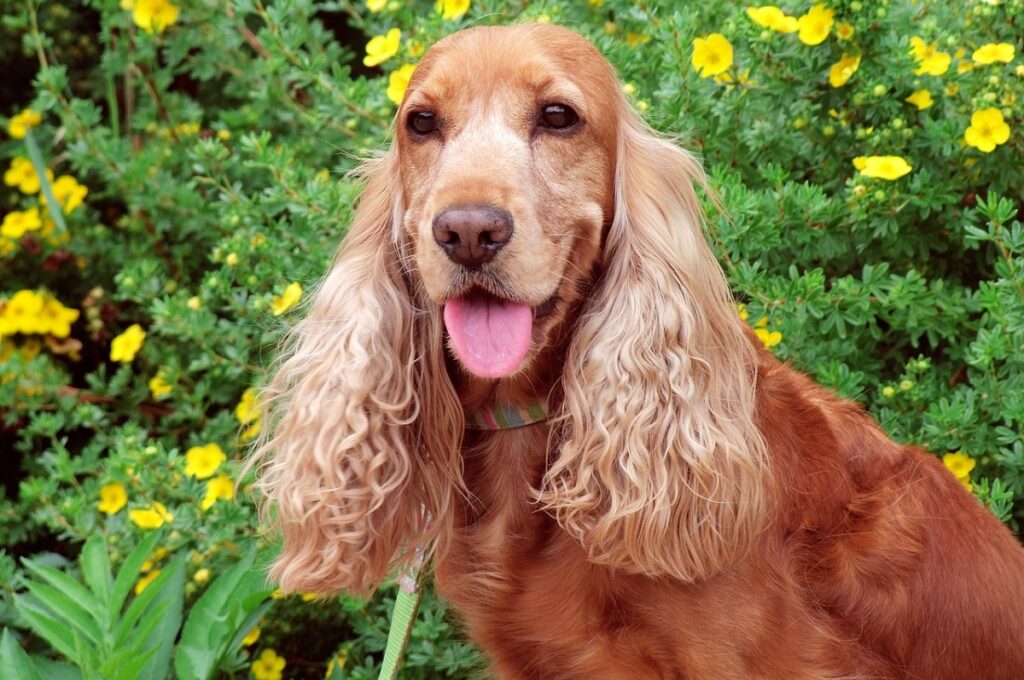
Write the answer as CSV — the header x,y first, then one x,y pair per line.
x,y
471,234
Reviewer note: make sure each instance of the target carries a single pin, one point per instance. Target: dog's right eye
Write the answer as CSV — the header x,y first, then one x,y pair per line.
x,y
422,122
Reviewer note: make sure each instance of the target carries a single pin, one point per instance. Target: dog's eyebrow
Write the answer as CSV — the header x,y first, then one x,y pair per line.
x,y
420,99
563,93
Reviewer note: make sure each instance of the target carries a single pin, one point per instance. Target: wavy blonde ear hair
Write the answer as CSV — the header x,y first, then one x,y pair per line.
x,y
350,474
660,467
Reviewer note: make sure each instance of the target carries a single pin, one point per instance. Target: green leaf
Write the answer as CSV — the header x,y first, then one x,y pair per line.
x,y
71,587
129,571
55,670
140,605
125,665
67,609
65,641
161,637
16,663
96,568
216,619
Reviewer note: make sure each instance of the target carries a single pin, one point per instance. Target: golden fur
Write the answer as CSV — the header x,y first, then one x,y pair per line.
x,y
692,508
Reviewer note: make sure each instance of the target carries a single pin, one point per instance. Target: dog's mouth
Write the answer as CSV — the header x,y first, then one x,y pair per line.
x,y
492,335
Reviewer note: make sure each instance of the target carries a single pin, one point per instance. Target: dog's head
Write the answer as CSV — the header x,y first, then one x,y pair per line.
x,y
524,218
506,146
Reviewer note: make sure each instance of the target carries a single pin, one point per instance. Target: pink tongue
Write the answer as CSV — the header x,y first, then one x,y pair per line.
x,y
491,336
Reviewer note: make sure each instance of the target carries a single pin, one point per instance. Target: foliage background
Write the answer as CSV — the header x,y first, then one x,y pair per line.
x,y
215,155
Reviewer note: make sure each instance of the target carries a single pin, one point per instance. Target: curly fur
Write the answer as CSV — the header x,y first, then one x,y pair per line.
x,y
357,482
661,465
692,508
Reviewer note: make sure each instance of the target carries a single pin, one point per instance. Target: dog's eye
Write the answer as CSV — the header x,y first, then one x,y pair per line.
x,y
422,122
558,117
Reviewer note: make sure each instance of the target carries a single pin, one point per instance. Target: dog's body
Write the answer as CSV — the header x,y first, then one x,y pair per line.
x,y
877,564
691,508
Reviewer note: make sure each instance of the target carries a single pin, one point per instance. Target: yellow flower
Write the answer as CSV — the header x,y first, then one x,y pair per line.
x,y
815,26
959,463
398,81
382,47
56,319
152,517
201,576
987,131
922,99
634,39
883,167
22,122
152,15
219,488
963,67
15,224
769,338
113,497
22,312
711,55
22,174
990,53
844,31
376,5
68,192
415,48
158,385
248,413
143,582
929,59
336,661
741,309
288,299
452,9
843,70
770,16
194,303
742,78
202,461
252,636
125,346
268,666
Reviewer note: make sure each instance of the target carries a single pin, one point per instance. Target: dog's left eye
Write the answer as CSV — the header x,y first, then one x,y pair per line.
x,y
423,122
558,117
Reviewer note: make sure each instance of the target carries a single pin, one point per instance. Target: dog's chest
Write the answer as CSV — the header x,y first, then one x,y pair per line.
x,y
524,588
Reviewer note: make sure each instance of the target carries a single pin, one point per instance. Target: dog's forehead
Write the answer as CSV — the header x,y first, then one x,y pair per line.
x,y
496,62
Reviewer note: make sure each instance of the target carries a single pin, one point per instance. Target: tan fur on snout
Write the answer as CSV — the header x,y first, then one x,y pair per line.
x,y
489,151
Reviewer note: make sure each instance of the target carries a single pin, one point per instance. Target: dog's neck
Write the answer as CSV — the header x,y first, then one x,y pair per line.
x,y
510,402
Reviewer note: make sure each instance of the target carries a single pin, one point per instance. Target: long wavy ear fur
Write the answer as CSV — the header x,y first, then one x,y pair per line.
x,y
660,467
349,475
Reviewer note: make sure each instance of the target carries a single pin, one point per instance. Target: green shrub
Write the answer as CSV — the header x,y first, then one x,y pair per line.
x,y
199,157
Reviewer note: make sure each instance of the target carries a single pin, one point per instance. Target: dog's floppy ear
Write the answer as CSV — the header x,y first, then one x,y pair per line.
x,y
350,477
659,466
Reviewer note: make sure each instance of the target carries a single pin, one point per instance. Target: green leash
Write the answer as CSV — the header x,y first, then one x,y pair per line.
x,y
410,592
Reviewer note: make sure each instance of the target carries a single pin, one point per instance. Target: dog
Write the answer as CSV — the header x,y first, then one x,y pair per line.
x,y
526,364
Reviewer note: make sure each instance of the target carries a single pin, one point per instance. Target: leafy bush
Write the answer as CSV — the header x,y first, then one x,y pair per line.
x,y
864,152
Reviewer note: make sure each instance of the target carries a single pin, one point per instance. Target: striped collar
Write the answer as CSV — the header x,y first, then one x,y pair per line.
x,y
506,417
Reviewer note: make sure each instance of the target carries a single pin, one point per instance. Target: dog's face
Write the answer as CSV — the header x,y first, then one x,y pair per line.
x,y
506,146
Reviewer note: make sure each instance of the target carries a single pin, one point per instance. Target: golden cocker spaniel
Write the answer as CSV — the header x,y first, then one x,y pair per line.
x,y
686,506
